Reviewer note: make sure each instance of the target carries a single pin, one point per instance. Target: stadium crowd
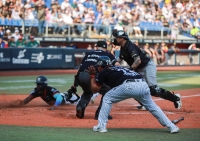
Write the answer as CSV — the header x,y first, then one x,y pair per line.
x,y
180,16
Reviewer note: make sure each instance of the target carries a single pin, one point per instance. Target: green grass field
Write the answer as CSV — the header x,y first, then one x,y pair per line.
x,y
25,84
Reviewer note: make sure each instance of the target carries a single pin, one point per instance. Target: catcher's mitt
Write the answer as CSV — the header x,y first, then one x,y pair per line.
x,y
92,70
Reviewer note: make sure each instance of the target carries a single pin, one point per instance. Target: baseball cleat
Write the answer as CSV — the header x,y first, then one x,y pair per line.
x,y
100,128
174,130
141,108
178,104
79,112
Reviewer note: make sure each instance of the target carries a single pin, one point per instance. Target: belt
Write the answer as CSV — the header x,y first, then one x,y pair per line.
x,y
134,80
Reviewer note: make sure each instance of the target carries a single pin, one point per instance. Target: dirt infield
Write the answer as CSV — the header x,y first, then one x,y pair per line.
x,y
125,114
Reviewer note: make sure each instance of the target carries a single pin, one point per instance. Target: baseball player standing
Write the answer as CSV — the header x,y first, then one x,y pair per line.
x,y
124,84
142,64
50,95
82,78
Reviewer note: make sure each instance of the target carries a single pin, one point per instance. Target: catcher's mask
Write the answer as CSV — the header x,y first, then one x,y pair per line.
x,y
41,82
103,61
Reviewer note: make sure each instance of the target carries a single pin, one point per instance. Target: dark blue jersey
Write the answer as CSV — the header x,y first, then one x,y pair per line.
x,y
115,76
46,95
91,59
130,51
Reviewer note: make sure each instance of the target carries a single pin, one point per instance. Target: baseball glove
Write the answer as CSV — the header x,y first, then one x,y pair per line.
x,y
92,70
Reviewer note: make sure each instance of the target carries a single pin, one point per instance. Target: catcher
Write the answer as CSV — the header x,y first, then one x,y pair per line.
x,y
50,95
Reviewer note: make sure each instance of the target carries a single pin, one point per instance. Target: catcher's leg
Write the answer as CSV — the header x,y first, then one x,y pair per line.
x,y
160,92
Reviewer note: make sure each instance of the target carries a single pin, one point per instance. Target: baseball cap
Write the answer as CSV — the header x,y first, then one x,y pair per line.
x,y
102,44
7,31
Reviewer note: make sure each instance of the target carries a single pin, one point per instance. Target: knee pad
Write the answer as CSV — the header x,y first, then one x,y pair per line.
x,y
155,91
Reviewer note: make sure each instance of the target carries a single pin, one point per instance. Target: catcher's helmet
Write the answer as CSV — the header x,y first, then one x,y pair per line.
x,y
120,33
41,80
103,61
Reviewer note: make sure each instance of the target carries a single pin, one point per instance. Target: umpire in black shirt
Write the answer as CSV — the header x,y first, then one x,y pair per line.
x,y
82,78
142,64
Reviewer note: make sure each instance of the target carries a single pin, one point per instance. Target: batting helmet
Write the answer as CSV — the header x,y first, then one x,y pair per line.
x,y
120,33
41,80
103,61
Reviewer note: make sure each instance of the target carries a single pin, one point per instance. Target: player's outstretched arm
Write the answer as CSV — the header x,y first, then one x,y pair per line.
x,y
58,101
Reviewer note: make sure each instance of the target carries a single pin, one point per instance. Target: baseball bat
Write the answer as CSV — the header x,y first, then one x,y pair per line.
x,y
177,120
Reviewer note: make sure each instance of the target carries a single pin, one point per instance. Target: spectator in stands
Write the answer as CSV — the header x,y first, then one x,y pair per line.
x,y
191,55
136,28
89,17
78,28
7,35
20,43
16,34
68,21
105,24
71,46
65,5
12,43
119,25
196,22
2,43
1,32
41,19
60,25
15,13
29,14
1,6
38,3
32,43
194,31
185,28
174,31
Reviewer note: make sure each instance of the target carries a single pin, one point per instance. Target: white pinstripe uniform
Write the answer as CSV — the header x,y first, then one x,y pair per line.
x,y
138,90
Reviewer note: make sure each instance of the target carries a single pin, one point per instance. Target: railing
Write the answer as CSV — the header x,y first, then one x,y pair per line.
x,y
88,30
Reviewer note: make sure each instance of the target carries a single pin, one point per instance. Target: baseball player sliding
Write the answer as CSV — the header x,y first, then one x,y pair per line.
x,y
49,94
124,84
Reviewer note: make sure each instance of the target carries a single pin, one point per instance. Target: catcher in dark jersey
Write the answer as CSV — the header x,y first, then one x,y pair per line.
x,y
142,64
50,94
82,78
124,84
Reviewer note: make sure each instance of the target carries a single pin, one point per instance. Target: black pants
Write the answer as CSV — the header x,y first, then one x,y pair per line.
x,y
85,84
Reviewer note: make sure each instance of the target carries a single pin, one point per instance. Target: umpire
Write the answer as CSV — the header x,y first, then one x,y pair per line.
x,y
82,78
138,62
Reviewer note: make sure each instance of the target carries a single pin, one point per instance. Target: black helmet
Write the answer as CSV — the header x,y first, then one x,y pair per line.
x,y
120,33
103,61
41,80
